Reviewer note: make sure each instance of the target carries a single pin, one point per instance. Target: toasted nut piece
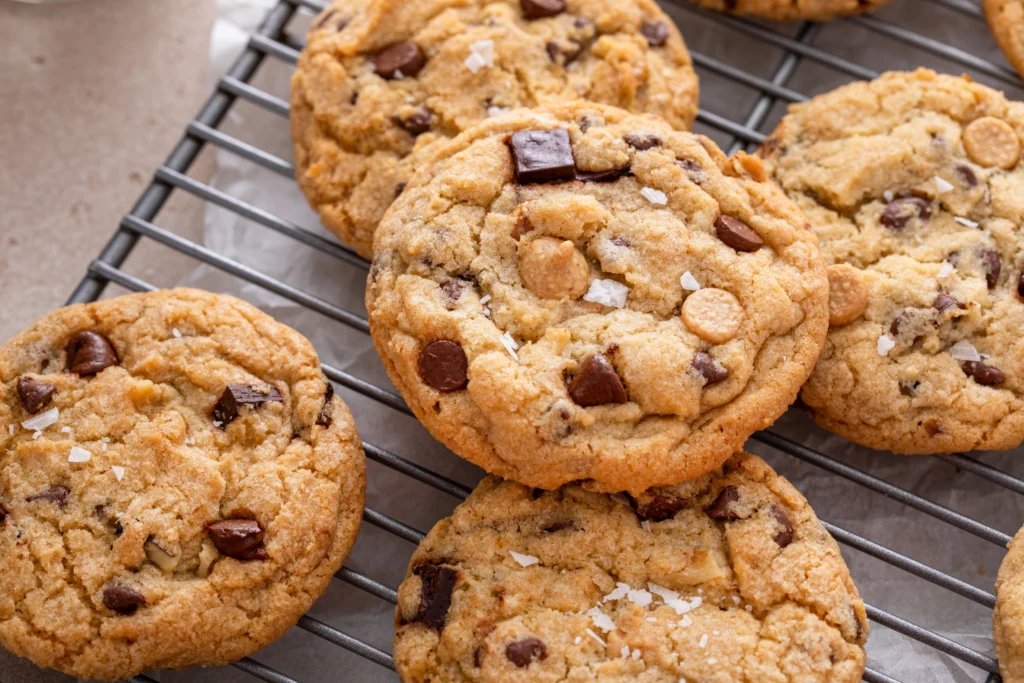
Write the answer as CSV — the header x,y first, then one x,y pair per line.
x,y
207,557
848,294
702,569
553,268
712,314
992,143
160,557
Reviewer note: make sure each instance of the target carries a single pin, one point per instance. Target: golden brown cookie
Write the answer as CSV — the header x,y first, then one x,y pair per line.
x,y
1008,617
580,293
380,82
729,577
791,10
1006,19
178,484
914,185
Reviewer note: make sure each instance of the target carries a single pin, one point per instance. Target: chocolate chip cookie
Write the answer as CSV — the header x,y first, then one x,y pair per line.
x,y
1006,19
1008,618
913,183
791,10
178,484
583,293
729,577
380,82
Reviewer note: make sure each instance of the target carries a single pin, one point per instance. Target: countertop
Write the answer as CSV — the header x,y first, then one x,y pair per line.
x,y
92,97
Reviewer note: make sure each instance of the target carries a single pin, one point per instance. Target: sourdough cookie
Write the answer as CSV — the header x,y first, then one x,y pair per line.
x,y
178,484
379,82
791,10
729,577
1008,618
583,293
1006,19
914,185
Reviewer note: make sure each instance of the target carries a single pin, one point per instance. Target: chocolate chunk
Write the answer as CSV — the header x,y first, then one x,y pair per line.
x,y
443,365
478,656
542,156
54,494
452,289
993,266
712,372
241,539
642,141
435,594
944,301
909,389
416,124
932,427
719,509
399,189
693,169
538,9
560,526
656,33
784,537
326,416
523,652
968,175
596,383
3,514
237,395
563,53
660,508
982,374
89,352
1020,286
34,395
899,212
122,599
603,176
737,234
399,60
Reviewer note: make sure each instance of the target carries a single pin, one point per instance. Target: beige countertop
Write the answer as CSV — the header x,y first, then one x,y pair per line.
x,y
92,97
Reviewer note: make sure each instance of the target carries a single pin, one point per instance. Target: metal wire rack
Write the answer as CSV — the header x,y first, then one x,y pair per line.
x,y
792,61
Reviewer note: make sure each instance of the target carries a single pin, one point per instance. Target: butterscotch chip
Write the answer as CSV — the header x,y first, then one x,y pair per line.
x,y
519,581
553,268
992,142
714,315
848,294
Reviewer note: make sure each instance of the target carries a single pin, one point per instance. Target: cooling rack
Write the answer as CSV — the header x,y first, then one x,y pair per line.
x,y
766,65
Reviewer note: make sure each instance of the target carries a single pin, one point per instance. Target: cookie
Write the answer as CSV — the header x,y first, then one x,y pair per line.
x,y
583,293
379,83
729,577
1008,617
178,484
913,184
1006,19
791,10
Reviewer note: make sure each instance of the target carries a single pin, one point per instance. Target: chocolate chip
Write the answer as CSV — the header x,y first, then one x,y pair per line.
x,y
416,124
237,395
712,372
478,656
399,60
660,508
945,301
642,141
982,374
435,594
909,389
719,508
3,514
122,599
542,156
1020,286
587,123
932,427
968,175
656,32
452,289
241,539
993,266
784,537
523,652
737,234
443,365
899,212
326,416
399,189
596,383
693,169
55,494
603,176
34,395
563,53
88,353
560,526
538,9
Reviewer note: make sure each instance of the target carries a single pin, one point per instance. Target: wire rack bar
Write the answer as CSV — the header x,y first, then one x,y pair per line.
x,y
346,641
941,643
369,585
984,471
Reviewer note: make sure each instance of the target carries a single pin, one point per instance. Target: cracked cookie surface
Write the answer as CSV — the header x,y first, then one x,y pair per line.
x,y
580,293
729,577
379,84
914,185
178,484
1006,19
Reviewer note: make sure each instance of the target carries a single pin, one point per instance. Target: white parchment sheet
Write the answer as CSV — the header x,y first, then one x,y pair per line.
x,y
384,557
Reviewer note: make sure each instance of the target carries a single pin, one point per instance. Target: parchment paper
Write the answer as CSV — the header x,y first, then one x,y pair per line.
x,y
850,506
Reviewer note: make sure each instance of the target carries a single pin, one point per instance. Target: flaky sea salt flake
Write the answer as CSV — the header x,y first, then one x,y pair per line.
x,y
640,598
942,186
600,619
42,421
176,332
621,589
646,525
885,345
946,270
607,293
596,637
964,350
118,472
578,640
654,196
524,560
686,621
624,651
497,111
510,345
79,454
966,222
689,282
703,641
